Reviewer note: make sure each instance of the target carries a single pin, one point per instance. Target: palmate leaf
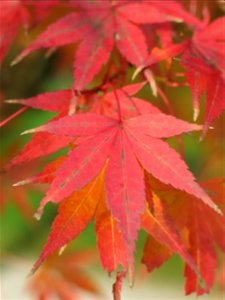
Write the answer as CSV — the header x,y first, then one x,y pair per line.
x,y
99,26
203,57
116,150
124,146
142,143
43,143
117,145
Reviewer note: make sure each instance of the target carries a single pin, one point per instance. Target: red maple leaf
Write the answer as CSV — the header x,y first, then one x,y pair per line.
x,y
99,26
115,139
15,14
73,212
209,41
123,147
62,102
205,63
203,57
203,78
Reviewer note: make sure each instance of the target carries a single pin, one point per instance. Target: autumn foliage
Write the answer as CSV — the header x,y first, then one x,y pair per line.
x,y
119,169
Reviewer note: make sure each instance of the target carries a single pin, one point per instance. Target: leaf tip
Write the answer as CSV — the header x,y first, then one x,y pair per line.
x,y
149,76
38,213
28,131
62,249
16,60
23,182
14,101
131,275
218,210
31,273
196,114
19,183
136,72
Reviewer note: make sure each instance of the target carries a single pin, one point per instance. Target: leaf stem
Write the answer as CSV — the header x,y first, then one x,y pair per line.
x,y
165,100
18,112
118,104
132,101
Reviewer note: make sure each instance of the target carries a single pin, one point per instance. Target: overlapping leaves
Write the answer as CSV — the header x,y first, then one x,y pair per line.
x,y
115,139
99,26
201,230
95,178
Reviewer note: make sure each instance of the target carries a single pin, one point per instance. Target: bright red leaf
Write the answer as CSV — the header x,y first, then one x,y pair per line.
x,y
16,14
118,170
203,78
209,42
122,146
100,26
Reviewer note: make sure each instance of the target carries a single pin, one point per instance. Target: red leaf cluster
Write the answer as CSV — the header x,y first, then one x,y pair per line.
x,y
116,140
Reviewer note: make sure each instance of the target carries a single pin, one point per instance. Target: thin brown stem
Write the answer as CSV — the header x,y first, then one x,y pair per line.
x,y
18,112
181,146
165,100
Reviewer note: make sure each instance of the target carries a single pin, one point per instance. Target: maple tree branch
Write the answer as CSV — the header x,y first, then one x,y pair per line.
x,y
18,112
